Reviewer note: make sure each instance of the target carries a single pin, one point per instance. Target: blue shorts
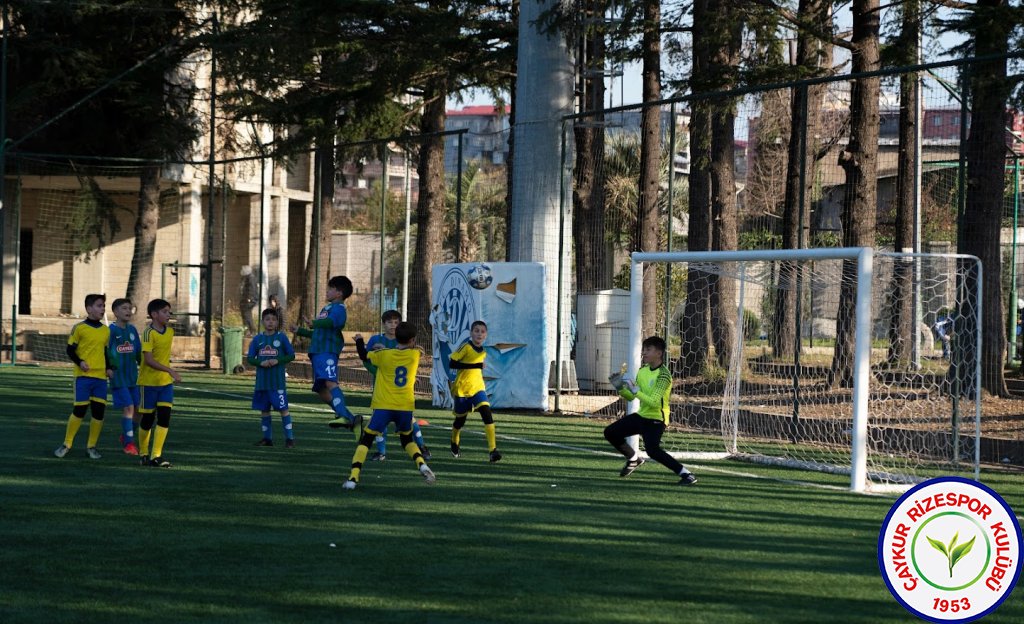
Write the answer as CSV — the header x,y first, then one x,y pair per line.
x,y
153,396
90,389
325,368
381,417
266,400
125,396
465,405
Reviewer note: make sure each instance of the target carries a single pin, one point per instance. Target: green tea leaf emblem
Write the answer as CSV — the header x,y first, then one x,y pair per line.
x,y
953,552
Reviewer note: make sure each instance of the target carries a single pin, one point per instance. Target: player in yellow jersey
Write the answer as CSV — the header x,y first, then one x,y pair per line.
x,y
87,348
156,384
392,400
469,391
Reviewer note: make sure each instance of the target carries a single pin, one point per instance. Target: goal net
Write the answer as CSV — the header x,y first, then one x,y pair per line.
x,y
838,360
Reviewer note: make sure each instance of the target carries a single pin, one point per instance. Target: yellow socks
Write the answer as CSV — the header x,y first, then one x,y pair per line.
x,y
491,438
144,435
74,422
95,426
158,441
413,450
357,461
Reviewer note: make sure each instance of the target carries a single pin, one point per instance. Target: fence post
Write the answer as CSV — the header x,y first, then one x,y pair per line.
x,y
671,201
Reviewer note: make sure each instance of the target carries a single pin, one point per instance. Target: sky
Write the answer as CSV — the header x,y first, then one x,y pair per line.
x,y
627,89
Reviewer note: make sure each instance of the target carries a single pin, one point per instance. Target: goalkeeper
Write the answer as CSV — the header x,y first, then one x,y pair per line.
x,y
653,387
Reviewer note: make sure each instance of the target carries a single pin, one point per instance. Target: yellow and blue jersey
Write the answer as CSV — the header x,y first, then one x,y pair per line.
x,y
396,376
270,347
89,340
326,334
125,356
469,381
378,339
159,344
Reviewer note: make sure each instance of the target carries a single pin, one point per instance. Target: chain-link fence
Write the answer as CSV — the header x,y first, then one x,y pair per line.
x,y
221,242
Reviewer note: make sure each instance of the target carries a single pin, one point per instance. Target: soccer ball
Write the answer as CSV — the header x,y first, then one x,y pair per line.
x,y
480,276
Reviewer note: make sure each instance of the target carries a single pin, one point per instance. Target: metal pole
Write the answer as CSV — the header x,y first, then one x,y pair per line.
x,y
801,199
458,204
405,253
211,184
671,197
1012,351
383,216
915,356
3,174
263,245
561,272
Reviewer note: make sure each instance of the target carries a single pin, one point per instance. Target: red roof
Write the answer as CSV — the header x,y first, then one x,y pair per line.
x,y
478,110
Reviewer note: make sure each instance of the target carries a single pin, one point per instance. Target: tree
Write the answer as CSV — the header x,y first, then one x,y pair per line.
x,y
901,326
77,90
727,31
813,58
594,268
648,227
989,25
860,161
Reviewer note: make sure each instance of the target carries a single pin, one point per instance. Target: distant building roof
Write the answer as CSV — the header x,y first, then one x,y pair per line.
x,y
477,110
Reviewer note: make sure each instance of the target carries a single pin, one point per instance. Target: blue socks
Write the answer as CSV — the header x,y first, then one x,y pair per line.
x,y
265,426
286,420
338,404
128,429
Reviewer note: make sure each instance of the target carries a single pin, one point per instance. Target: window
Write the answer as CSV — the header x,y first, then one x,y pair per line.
x,y
938,121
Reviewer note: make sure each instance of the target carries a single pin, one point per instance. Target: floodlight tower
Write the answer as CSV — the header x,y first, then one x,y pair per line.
x,y
540,187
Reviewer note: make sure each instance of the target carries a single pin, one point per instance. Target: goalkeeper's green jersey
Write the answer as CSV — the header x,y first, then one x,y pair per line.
x,y
654,388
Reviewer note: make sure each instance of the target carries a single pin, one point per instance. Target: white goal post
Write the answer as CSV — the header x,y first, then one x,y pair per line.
x,y
858,436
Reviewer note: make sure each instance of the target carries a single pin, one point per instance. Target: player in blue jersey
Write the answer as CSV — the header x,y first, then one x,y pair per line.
x,y
393,400
387,340
87,348
125,357
270,353
325,345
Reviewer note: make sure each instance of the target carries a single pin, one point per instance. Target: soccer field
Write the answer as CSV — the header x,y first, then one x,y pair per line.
x,y
240,533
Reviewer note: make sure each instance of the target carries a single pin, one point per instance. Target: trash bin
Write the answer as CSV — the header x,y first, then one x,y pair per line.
x,y
231,349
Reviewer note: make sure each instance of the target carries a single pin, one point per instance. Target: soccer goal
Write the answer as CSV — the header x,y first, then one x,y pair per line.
x,y
823,359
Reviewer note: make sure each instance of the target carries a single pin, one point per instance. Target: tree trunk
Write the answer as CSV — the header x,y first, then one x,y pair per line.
x,y
648,224
147,222
860,162
902,317
696,309
318,261
982,218
430,208
725,60
593,265
813,56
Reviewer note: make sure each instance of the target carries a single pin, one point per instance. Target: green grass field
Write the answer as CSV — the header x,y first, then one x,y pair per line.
x,y
236,533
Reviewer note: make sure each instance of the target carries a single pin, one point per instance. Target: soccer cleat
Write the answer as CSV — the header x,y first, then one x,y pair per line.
x,y
143,460
131,449
62,450
425,452
455,450
159,462
340,422
428,474
264,442
289,443
348,485
630,466
93,453
378,456
687,479
495,456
